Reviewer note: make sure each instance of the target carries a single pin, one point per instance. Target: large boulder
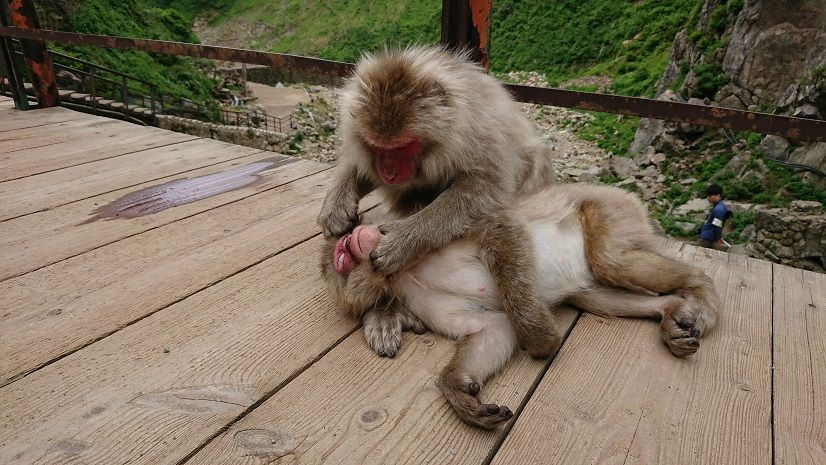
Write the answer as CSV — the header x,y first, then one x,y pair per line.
x,y
773,44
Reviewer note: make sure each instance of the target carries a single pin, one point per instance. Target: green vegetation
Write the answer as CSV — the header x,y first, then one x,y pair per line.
x,y
176,76
612,133
626,40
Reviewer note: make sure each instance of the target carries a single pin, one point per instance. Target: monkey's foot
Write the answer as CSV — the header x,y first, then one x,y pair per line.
x,y
539,337
383,332
383,329
679,329
463,398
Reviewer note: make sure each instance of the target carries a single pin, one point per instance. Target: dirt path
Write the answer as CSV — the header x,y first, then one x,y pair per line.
x,y
278,101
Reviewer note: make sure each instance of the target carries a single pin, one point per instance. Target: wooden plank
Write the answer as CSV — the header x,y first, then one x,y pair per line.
x,y
50,134
355,407
94,141
65,231
48,190
159,388
800,367
76,301
11,119
615,394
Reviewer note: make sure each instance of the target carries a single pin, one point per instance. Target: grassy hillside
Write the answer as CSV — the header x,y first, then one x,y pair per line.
x,y
627,40
177,76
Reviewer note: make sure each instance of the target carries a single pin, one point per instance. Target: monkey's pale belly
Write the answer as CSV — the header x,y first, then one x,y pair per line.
x,y
453,292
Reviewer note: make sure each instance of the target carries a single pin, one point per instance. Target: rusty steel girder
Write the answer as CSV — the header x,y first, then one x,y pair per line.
x,y
466,25
23,15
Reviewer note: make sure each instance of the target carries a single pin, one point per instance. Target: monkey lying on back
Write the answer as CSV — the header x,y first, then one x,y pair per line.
x,y
449,150
594,250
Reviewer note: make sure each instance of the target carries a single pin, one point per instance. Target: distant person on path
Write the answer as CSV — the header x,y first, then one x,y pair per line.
x,y
711,232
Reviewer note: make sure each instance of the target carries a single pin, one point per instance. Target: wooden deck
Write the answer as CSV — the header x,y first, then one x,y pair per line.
x,y
203,334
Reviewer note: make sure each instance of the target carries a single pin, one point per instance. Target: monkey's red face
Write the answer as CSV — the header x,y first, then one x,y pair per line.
x,y
355,247
396,160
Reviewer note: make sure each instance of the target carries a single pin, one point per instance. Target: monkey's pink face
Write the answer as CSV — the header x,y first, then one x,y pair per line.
x,y
355,247
396,160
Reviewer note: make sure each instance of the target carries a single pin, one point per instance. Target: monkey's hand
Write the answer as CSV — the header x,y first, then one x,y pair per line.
x,y
383,328
397,249
537,333
339,214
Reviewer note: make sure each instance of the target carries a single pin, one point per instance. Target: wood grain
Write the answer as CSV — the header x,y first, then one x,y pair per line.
x,y
615,394
800,367
64,231
353,407
48,190
11,119
94,140
157,389
74,302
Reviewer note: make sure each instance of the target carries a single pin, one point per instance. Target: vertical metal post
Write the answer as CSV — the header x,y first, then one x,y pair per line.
x,y
244,77
466,25
23,15
124,93
93,90
152,99
9,65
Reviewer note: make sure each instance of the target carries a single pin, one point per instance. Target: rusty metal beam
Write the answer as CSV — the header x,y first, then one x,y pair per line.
x,y
281,60
786,126
716,117
23,15
9,68
466,25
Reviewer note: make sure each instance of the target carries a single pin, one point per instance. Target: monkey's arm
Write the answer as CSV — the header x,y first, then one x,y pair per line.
x,y
339,213
455,211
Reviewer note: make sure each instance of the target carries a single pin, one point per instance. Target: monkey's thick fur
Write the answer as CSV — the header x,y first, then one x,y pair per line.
x,y
448,149
594,249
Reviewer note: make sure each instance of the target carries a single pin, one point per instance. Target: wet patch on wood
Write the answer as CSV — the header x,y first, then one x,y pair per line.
x,y
170,194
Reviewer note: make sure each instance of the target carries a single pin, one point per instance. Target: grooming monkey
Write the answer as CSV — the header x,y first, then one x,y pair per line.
x,y
448,149
593,249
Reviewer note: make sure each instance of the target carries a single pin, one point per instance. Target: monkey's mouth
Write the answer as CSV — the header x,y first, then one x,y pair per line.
x,y
342,259
397,164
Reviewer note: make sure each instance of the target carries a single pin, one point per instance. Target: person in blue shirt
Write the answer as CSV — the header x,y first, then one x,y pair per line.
x,y
711,232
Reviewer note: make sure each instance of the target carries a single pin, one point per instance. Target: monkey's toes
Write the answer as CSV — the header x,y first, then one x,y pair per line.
x,y
490,416
680,340
384,337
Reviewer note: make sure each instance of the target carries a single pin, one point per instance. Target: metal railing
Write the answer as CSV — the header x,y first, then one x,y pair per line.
x,y
255,119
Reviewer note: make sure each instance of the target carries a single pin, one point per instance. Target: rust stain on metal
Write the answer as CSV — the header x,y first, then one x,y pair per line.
x,y
23,15
316,65
154,199
480,15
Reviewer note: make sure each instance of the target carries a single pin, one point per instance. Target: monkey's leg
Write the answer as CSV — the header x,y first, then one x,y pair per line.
x,y
383,328
507,251
638,269
478,357
613,302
